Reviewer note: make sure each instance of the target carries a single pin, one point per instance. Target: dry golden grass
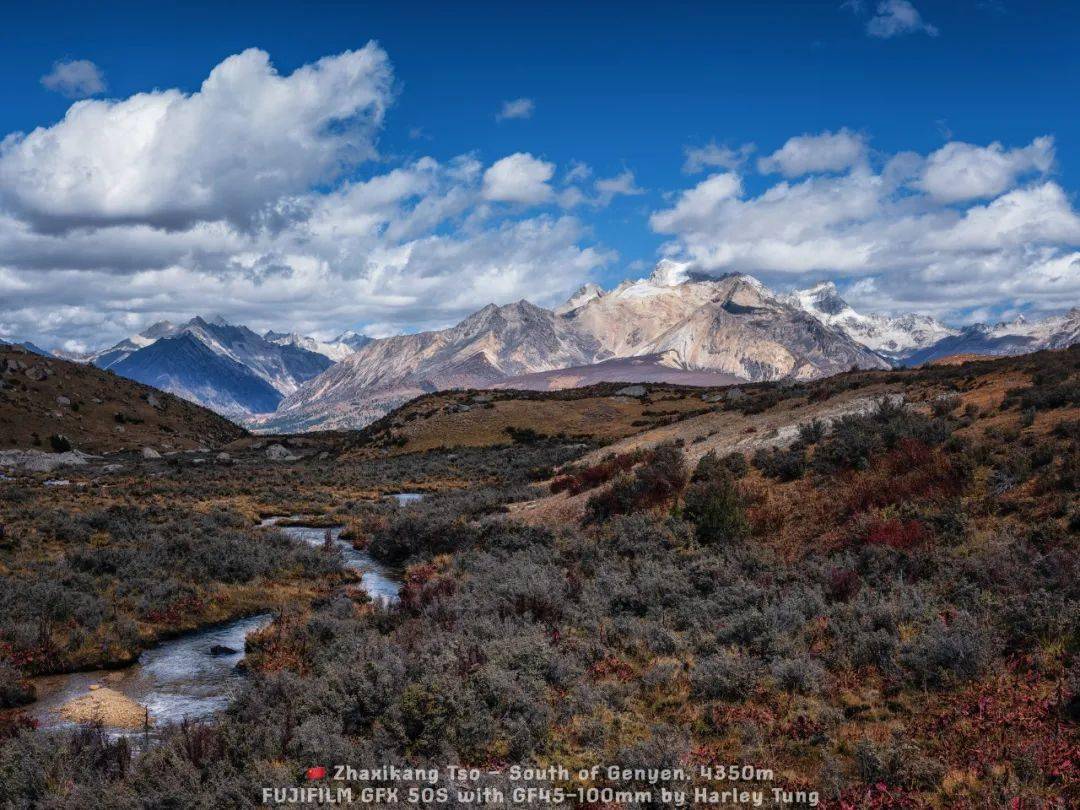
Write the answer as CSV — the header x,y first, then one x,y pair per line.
x,y
105,706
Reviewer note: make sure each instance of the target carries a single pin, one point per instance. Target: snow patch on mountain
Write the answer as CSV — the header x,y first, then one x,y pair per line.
x,y
335,350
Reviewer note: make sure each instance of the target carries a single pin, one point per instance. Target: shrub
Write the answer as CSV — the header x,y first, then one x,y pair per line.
x,y
713,466
801,674
812,432
944,405
659,479
897,762
714,507
782,464
663,476
576,481
525,435
844,584
59,443
728,675
946,655
896,533
1047,393
14,689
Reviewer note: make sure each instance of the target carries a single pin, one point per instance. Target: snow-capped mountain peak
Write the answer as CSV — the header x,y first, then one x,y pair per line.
x,y
335,350
354,340
824,302
891,336
585,294
669,273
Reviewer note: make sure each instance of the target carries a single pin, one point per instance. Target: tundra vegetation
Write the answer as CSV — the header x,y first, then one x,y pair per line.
x,y
885,609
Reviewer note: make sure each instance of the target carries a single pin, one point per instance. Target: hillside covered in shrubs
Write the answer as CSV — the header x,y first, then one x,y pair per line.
x,y
884,610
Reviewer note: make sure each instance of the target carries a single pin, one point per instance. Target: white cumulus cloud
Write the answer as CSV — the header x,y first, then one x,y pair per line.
x,y
897,17
75,78
825,152
621,185
965,229
963,171
248,136
519,178
714,156
516,108
253,196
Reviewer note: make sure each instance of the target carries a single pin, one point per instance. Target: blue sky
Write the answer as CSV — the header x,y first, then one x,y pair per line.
x,y
622,87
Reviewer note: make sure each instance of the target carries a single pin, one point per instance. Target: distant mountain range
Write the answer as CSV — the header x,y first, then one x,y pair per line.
x,y
674,326
225,367
731,327
891,337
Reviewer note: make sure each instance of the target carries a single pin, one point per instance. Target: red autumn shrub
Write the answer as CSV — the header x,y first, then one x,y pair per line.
x,y
895,533
844,584
421,585
586,478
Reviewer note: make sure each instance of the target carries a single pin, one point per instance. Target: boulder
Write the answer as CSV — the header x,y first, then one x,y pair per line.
x,y
222,649
735,395
150,452
632,391
63,401
276,452
224,458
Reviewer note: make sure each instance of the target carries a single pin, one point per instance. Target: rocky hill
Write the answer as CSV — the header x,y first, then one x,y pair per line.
x,y
95,411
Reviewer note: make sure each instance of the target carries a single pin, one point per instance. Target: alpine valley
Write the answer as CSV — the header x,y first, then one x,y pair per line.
x,y
675,326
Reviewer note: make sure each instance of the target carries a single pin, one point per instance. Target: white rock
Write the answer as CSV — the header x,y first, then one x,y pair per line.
x,y
276,452
37,461
150,452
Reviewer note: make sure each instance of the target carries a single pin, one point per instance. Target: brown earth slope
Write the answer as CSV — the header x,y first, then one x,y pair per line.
x,y
95,410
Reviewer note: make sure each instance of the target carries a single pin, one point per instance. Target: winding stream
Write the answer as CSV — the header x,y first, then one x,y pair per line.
x,y
195,675
378,580
176,679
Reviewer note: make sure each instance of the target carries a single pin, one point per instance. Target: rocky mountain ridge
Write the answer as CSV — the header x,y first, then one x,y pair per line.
x,y
731,326
672,325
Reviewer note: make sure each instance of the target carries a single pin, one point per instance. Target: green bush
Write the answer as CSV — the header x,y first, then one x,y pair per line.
x,y
714,507
59,443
